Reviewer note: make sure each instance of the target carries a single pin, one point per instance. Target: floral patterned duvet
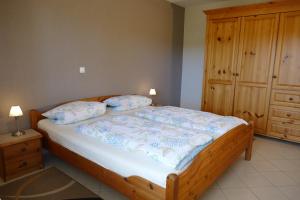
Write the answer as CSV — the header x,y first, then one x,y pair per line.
x,y
173,146
215,125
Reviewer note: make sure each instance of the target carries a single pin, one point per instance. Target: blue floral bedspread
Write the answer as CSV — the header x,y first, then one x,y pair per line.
x,y
172,146
215,125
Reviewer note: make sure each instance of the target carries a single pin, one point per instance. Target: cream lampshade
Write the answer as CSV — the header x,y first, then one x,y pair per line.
x,y
16,112
152,92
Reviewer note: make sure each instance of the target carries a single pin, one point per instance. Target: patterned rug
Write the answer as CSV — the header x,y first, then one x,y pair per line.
x,y
50,184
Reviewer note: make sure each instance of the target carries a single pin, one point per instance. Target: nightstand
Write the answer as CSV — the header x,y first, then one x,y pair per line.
x,y
20,155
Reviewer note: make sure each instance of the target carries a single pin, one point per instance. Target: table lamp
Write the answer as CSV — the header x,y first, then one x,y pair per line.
x,y
16,112
152,92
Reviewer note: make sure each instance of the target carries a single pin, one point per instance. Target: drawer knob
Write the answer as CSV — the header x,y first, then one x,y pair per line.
x,y
291,99
23,149
288,115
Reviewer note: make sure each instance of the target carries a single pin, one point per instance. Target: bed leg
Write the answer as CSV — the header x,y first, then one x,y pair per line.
x,y
172,187
248,152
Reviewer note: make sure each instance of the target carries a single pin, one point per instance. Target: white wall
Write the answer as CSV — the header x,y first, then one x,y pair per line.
x,y
193,50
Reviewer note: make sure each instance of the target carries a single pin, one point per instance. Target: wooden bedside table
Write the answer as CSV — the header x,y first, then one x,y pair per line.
x,y
20,155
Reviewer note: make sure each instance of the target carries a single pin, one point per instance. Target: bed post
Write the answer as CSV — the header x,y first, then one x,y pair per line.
x,y
248,152
172,187
35,117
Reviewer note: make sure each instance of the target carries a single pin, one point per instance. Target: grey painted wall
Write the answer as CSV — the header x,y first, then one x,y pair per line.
x,y
128,46
193,50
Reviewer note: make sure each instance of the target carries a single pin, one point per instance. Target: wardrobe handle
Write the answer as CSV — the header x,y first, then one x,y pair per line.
x,y
274,76
237,74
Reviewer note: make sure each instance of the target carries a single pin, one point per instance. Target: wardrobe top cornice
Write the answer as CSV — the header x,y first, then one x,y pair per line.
x,y
255,9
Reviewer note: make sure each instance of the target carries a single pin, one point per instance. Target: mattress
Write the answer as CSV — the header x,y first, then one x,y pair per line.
x,y
123,163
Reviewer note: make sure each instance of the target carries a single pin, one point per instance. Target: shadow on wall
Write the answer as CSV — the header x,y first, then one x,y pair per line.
x,y
177,51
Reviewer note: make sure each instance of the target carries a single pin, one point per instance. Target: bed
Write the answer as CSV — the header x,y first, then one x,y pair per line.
x,y
127,173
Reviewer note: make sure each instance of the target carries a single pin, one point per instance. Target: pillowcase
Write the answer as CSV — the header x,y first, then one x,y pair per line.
x,y
75,111
128,102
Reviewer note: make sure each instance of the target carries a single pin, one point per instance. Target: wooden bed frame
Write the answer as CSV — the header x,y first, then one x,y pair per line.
x,y
206,167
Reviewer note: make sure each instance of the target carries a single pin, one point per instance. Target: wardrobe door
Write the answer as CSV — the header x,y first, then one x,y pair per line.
x,y
287,68
285,98
222,43
255,67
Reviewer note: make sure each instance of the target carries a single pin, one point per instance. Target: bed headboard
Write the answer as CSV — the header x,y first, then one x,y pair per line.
x,y
36,115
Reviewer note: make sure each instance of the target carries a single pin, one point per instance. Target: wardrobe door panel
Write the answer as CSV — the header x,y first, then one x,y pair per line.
x,y
220,98
255,68
251,105
287,68
222,44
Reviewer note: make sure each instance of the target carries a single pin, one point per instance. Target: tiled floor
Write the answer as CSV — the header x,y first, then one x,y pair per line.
x,y
272,174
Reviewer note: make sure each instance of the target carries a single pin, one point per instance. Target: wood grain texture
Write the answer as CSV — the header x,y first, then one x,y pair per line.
x,y
20,155
222,43
287,67
287,98
192,182
7,139
255,66
267,69
255,9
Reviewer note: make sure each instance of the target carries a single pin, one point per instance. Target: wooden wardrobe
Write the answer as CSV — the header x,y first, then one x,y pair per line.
x,y
253,66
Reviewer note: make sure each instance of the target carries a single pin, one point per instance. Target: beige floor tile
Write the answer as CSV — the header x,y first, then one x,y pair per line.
x,y
256,156
271,154
295,175
279,178
268,193
291,153
239,194
285,165
231,180
263,165
292,192
243,167
296,162
213,194
255,180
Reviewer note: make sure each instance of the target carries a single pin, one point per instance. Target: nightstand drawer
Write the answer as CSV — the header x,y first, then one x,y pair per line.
x,y
18,165
21,149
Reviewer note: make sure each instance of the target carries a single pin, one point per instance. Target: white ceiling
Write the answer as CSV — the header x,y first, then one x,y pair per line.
x,y
185,3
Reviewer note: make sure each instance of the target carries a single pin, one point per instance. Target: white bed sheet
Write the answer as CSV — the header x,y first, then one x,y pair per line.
x,y
123,163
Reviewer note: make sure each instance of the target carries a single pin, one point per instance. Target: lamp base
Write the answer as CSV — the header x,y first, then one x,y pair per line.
x,y
18,133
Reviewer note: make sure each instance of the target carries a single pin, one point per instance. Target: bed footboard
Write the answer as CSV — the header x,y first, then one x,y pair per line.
x,y
210,164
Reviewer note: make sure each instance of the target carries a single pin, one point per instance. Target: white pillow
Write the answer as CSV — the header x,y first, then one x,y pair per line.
x,y
75,111
128,102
